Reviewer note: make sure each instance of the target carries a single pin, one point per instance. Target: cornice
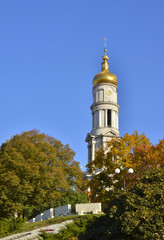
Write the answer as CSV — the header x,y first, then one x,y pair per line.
x,y
101,84
89,136
110,133
104,103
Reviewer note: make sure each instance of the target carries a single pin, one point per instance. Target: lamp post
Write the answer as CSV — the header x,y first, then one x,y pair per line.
x,y
130,170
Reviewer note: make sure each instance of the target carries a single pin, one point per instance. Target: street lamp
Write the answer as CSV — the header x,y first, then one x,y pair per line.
x,y
130,170
117,170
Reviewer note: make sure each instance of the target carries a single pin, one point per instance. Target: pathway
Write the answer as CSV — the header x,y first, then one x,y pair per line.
x,y
33,235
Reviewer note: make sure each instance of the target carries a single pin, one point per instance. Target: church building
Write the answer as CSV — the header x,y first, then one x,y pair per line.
x,y
105,110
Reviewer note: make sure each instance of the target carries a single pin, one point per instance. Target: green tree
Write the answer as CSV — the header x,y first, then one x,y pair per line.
x,y
140,211
73,197
133,214
35,170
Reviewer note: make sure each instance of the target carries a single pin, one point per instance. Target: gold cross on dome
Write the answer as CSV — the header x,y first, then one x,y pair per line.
x,y
105,42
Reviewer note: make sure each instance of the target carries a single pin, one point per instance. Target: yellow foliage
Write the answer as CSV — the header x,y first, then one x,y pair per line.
x,y
131,151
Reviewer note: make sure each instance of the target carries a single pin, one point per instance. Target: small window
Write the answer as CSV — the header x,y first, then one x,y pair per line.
x,y
109,118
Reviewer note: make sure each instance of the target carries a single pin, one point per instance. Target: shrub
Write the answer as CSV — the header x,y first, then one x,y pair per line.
x,y
10,225
72,231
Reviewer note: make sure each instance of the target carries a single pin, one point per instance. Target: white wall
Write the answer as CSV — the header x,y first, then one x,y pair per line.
x,y
87,208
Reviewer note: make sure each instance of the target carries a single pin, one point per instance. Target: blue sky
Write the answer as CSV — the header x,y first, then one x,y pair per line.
x,y
51,50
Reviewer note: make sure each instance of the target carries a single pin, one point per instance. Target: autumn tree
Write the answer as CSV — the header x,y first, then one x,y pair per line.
x,y
35,170
131,151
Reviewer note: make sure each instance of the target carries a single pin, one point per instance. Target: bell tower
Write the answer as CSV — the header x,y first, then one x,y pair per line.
x,y
104,109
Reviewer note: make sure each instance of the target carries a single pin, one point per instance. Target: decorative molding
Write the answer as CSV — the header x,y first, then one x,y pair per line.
x,y
104,103
112,132
89,137
105,84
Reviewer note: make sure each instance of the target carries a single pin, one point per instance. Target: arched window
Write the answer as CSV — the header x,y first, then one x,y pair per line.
x,y
109,120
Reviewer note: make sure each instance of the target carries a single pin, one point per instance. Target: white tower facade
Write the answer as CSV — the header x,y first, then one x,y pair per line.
x,y
105,110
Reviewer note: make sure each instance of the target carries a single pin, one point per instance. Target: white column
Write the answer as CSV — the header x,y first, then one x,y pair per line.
x,y
97,119
93,150
100,118
117,120
106,117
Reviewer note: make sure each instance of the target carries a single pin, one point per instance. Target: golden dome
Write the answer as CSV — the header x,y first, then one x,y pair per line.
x,y
105,76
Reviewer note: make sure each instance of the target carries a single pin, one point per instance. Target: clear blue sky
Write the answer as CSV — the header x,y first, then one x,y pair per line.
x,y
51,50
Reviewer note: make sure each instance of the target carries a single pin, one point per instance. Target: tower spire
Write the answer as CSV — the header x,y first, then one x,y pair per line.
x,y
105,64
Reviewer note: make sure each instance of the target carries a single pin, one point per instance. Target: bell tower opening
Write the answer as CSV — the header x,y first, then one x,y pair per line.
x,y
109,117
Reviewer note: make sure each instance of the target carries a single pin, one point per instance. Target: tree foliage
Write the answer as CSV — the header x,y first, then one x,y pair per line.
x,y
135,214
140,212
131,151
72,197
35,170
10,225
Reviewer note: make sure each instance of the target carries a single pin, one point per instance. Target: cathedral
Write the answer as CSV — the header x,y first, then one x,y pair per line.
x,y
105,109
